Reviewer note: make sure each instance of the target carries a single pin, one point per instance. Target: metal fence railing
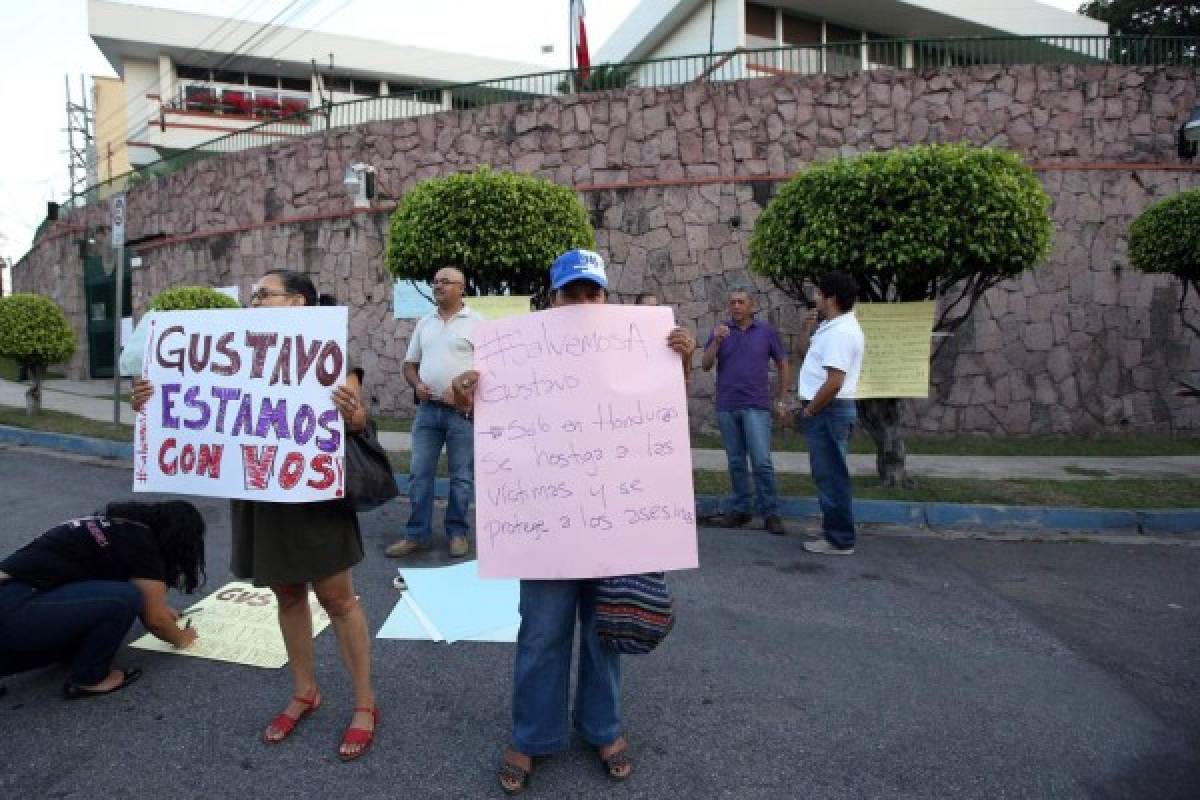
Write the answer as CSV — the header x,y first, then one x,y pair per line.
x,y
830,58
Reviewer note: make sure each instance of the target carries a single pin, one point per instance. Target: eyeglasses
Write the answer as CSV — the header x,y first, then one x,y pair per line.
x,y
258,295
443,282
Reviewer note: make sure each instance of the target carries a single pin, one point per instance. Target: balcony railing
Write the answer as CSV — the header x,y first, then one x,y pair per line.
x,y
239,101
833,58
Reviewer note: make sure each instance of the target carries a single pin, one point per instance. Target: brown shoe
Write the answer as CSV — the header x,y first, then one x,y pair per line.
x,y
730,520
405,547
459,546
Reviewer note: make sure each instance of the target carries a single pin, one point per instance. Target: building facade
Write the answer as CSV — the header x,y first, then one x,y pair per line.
x,y
186,79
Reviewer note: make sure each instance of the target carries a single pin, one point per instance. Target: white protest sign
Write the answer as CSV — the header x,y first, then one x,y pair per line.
x,y
243,404
238,623
583,464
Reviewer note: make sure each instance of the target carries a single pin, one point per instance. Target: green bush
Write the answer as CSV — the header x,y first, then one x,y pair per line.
x,y
1165,238
503,229
908,224
190,298
33,331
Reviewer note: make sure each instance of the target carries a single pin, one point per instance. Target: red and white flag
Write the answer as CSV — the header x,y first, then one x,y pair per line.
x,y
583,59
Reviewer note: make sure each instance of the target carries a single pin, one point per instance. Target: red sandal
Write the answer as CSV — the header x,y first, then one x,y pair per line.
x,y
285,724
359,736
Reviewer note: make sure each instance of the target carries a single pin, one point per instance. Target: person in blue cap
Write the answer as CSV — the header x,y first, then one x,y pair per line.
x,y
549,608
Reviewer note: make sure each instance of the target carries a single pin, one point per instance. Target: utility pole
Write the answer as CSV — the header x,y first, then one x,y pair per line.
x,y
81,140
118,244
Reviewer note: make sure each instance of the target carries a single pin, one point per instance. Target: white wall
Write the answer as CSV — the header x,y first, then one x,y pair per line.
x,y
141,78
691,38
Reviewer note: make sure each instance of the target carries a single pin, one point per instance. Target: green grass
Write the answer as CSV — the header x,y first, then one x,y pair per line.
x,y
1113,446
1016,492
1093,492
58,422
393,424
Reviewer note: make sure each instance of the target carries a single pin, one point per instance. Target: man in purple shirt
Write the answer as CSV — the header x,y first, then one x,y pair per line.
x,y
742,350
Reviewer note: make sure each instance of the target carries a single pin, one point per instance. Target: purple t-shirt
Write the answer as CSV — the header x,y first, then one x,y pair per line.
x,y
743,361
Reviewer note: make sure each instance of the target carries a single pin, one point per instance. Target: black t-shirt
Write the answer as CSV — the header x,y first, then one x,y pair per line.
x,y
88,549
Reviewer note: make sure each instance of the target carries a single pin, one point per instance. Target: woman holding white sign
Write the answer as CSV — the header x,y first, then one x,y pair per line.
x,y
288,546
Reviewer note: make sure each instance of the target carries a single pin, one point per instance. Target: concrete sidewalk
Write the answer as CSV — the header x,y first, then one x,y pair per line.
x,y
93,399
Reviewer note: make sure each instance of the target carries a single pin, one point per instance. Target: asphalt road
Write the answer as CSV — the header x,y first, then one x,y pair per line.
x,y
920,667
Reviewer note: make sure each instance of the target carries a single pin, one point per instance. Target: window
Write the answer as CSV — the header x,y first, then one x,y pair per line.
x,y
226,76
414,92
366,88
836,33
192,73
338,84
760,26
295,84
798,30
265,81
884,55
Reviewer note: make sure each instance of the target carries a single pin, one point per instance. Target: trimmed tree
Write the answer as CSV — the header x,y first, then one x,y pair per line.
x,y
944,222
35,334
502,229
1165,239
190,298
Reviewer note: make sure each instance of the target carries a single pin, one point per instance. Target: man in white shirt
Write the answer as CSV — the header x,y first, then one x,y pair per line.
x,y
826,390
440,350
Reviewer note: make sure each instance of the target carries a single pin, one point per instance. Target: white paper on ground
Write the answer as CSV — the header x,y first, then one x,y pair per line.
x,y
459,604
405,622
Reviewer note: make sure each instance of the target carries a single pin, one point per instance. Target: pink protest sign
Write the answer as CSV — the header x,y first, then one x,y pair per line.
x,y
583,464
243,405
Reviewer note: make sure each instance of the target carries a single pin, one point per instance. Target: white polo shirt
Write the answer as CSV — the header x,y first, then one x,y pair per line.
x,y
443,349
836,343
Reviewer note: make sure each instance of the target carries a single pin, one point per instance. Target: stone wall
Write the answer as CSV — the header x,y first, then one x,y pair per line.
x,y
675,178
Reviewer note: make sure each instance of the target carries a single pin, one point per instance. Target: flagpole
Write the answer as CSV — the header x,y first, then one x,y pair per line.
x,y
571,36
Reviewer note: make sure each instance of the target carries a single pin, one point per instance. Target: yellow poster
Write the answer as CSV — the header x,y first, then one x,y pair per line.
x,y
236,623
896,361
498,306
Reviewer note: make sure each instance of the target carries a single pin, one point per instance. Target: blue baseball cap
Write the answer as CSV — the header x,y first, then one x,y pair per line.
x,y
577,265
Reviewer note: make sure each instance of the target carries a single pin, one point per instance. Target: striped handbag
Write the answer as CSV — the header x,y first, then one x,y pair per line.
x,y
633,612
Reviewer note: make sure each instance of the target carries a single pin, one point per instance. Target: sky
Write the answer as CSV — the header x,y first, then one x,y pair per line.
x,y
41,41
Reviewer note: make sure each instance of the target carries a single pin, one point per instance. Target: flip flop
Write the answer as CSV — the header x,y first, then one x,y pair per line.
x,y
616,763
514,778
74,691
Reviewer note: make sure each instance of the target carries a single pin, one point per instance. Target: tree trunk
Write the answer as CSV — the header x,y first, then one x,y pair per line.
x,y
881,418
33,395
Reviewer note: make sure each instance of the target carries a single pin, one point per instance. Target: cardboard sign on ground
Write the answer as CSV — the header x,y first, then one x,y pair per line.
x,y
237,623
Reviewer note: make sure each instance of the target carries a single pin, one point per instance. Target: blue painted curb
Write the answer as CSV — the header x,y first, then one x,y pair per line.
x,y
78,445
1184,521
1180,521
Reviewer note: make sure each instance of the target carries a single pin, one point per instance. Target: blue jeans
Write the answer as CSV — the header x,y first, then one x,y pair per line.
x,y
747,432
81,623
828,436
433,427
542,672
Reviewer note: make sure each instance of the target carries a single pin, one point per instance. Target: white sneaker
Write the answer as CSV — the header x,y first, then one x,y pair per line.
x,y
825,548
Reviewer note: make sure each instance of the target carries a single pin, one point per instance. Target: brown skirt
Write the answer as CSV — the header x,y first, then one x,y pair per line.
x,y
277,543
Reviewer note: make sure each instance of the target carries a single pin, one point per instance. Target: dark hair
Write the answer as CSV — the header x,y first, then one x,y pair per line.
x,y
299,283
841,287
179,530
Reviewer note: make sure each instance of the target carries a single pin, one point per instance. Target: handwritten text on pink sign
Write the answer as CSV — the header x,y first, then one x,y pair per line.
x,y
582,456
